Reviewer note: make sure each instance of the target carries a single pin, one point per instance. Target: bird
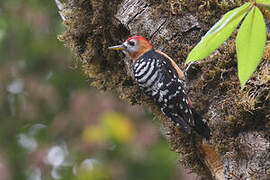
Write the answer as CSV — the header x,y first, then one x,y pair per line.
x,y
159,77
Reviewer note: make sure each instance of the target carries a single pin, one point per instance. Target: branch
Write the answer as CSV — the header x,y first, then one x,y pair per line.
x,y
175,27
60,6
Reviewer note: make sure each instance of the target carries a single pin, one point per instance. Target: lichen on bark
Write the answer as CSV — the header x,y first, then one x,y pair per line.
x,y
236,117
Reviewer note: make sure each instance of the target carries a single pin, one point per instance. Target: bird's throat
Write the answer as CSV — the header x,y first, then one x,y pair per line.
x,y
138,54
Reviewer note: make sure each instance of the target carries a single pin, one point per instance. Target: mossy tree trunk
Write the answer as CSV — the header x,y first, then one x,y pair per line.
x,y
239,119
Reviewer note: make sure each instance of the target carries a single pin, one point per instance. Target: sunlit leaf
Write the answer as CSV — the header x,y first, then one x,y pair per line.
x,y
250,44
112,126
98,173
264,3
94,134
117,126
219,33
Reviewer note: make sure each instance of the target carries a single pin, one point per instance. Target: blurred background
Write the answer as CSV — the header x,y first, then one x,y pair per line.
x,y
53,125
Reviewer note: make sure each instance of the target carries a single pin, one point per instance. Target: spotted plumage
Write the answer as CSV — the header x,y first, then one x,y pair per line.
x,y
161,79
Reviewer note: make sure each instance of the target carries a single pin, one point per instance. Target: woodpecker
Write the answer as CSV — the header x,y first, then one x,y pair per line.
x,y
162,80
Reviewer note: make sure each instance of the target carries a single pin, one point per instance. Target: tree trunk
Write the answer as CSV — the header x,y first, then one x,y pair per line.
x,y
239,119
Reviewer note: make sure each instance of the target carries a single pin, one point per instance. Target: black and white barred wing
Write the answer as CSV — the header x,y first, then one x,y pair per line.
x,y
159,80
176,104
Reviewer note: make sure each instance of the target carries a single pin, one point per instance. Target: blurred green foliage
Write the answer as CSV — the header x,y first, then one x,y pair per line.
x,y
52,124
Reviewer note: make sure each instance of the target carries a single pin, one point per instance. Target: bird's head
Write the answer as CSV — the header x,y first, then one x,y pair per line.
x,y
134,47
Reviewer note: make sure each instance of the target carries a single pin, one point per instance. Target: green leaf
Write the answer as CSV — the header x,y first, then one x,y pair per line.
x,y
219,33
267,8
250,43
264,3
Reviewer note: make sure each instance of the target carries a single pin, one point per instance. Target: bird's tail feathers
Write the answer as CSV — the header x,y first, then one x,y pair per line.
x,y
200,126
182,124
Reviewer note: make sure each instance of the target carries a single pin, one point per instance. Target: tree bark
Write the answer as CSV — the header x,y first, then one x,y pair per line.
x,y
239,119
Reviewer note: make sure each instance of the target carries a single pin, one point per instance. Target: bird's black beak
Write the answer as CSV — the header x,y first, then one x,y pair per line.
x,y
118,47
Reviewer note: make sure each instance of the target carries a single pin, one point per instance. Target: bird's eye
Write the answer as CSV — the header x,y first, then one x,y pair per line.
x,y
132,43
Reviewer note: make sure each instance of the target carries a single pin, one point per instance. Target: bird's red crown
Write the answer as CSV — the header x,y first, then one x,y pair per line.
x,y
139,38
